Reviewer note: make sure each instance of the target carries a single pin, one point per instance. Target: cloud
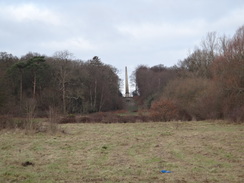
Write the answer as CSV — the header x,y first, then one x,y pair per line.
x,y
233,19
152,31
119,32
29,12
73,44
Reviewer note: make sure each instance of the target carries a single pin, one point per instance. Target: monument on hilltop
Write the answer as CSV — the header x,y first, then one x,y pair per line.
x,y
127,93
129,103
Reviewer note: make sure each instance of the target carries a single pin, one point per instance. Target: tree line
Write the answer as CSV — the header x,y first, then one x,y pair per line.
x,y
208,84
60,82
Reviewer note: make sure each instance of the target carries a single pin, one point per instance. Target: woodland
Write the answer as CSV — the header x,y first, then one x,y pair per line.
x,y
207,84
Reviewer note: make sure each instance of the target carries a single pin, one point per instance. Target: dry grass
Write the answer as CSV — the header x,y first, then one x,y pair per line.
x,y
133,152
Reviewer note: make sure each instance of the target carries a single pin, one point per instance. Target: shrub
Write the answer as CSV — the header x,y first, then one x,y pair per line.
x,y
233,108
84,119
7,122
143,118
68,119
164,110
10,123
209,102
237,114
97,117
53,119
108,117
189,94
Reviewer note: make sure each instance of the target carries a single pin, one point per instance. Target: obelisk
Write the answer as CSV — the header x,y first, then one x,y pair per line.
x,y
127,94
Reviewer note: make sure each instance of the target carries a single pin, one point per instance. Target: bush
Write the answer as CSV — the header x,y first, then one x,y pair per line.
x,y
209,102
30,124
68,119
143,118
108,117
191,95
7,122
165,110
53,119
84,119
10,123
237,115
233,108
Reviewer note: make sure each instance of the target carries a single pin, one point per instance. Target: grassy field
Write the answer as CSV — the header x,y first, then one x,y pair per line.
x,y
131,152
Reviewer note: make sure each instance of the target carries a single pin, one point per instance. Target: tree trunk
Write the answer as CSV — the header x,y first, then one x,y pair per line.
x,y
91,102
95,95
34,86
63,96
21,87
101,100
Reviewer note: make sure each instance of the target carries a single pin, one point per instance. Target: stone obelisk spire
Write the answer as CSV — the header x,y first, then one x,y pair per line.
x,y
126,84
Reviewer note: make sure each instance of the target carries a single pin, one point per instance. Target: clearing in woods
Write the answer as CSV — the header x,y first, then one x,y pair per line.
x,y
133,152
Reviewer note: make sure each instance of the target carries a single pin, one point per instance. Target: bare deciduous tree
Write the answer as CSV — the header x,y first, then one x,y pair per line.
x,y
63,58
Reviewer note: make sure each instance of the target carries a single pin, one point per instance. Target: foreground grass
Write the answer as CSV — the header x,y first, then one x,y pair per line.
x,y
135,152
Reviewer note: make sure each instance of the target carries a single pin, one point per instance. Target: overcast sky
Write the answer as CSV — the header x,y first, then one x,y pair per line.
x,y
120,32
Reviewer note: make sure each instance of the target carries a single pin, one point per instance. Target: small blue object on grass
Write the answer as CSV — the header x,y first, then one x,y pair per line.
x,y
165,171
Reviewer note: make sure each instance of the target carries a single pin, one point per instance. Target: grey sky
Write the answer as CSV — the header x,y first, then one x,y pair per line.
x,y
120,32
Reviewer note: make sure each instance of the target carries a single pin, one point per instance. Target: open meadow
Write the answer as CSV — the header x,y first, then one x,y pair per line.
x,y
203,151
